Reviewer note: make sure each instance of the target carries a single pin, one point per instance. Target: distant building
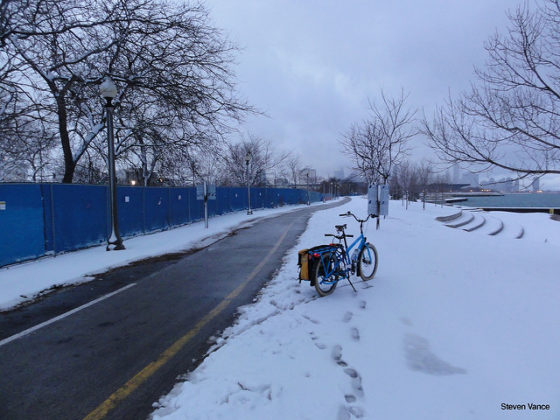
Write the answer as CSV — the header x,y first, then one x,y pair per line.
x,y
471,179
504,185
536,185
455,174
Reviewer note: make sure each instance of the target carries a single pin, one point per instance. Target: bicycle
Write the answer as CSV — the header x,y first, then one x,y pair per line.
x,y
335,262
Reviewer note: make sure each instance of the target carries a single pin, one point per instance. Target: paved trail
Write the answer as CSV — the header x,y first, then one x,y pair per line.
x,y
115,356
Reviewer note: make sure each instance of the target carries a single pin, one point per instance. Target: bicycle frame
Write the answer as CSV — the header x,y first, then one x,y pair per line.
x,y
342,257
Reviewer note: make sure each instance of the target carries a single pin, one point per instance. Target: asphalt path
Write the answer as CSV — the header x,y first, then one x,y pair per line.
x,y
110,348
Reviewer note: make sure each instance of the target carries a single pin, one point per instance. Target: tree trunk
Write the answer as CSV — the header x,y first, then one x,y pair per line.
x,y
69,164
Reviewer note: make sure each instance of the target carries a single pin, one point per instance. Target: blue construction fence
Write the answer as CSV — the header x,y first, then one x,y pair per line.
x,y
41,219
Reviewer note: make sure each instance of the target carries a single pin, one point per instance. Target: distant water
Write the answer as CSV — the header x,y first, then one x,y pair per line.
x,y
515,200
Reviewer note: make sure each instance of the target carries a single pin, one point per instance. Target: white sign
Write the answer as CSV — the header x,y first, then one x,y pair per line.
x,y
378,200
211,191
206,190
200,191
2,205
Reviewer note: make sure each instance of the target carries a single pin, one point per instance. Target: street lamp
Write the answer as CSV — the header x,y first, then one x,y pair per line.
x,y
248,157
108,90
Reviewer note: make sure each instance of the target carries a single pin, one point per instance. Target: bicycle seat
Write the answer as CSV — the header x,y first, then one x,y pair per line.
x,y
340,227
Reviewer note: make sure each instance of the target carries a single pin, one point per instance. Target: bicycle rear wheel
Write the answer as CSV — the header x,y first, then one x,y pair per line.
x,y
367,262
325,280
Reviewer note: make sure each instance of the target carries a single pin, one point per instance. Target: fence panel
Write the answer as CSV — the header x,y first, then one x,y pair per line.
x,y
157,207
80,216
196,207
238,198
21,223
222,201
131,210
178,206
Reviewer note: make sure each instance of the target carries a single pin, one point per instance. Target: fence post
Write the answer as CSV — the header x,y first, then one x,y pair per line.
x,y
52,221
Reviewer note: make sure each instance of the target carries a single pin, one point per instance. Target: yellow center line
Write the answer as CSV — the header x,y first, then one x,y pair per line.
x,y
141,377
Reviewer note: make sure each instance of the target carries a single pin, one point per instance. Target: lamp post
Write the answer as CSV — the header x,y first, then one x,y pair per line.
x,y
108,90
248,157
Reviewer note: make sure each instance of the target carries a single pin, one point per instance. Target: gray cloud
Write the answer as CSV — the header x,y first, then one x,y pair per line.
x,y
312,65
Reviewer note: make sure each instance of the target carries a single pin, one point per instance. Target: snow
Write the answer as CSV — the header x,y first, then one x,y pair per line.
x,y
454,325
23,282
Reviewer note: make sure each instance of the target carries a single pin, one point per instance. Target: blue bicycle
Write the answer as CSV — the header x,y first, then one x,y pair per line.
x,y
337,261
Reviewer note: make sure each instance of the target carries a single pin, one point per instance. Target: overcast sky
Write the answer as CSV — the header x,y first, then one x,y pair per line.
x,y
312,65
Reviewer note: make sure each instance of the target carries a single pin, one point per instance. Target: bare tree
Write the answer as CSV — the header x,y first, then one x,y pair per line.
x,y
510,119
171,67
263,159
26,143
424,175
410,179
294,167
379,142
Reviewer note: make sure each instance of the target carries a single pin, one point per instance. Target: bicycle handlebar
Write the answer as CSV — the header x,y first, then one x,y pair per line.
x,y
349,213
339,237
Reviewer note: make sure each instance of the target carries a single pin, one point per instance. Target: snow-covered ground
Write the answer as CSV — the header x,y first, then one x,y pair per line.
x,y
23,282
455,325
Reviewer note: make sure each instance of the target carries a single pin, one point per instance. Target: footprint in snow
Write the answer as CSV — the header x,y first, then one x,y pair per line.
x,y
357,385
318,344
350,398
337,353
346,413
355,333
351,372
347,316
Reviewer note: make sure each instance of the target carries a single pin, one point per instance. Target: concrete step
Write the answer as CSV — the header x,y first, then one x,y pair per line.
x,y
450,217
499,229
477,223
463,221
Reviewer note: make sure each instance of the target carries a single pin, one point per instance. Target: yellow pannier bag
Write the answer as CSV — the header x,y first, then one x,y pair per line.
x,y
303,264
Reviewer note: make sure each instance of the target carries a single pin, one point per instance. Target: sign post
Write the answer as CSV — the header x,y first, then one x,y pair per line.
x,y
378,200
206,192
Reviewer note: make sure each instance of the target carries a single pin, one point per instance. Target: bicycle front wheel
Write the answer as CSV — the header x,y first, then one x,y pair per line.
x,y
367,262
325,280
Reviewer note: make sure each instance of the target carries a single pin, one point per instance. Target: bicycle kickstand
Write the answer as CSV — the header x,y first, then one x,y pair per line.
x,y
349,281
